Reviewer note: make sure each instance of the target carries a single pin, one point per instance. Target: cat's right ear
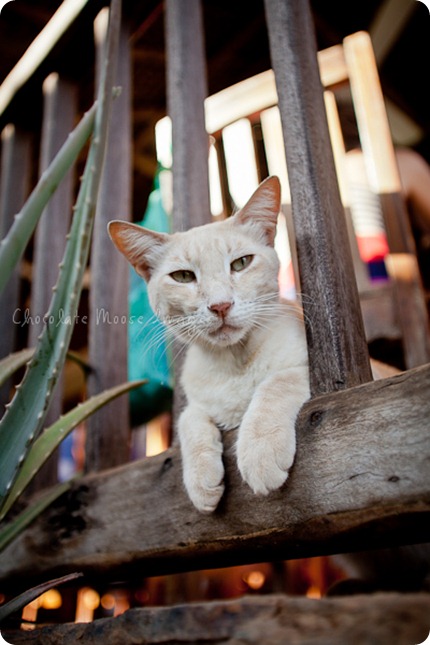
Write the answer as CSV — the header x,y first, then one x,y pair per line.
x,y
139,245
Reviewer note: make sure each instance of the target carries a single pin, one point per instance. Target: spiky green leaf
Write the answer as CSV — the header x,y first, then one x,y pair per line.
x,y
24,418
13,362
48,441
13,245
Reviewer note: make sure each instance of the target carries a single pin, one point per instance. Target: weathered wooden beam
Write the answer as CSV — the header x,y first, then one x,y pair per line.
x,y
336,340
60,108
361,480
186,92
271,619
15,180
108,438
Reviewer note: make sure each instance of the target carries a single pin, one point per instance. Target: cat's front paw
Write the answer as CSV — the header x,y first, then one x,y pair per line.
x,y
203,480
264,461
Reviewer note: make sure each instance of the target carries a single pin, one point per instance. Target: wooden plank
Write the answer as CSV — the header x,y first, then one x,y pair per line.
x,y
332,66
60,107
15,167
108,433
186,92
372,121
361,478
336,341
270,619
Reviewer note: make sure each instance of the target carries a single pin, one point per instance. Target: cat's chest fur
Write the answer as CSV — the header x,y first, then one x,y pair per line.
x,y
223,380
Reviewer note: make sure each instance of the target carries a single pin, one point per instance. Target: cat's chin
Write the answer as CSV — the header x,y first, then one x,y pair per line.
x,y
225,336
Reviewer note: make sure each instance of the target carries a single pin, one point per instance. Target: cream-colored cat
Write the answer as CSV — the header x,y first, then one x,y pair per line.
x,y
216,288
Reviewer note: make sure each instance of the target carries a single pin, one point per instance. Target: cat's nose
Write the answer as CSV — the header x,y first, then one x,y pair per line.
x,y
220,308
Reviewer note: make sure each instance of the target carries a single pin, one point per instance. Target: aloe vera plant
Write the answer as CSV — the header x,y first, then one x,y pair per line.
x,y
23,421
13,245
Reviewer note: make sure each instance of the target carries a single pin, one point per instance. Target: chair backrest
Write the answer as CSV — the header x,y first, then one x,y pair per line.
x,y
246,129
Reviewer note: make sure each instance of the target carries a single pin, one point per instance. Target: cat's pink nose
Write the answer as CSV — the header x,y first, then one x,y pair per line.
x,y
220,308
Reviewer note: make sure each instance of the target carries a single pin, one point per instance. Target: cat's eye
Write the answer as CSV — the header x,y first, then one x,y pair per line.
x,y
183,276
241,263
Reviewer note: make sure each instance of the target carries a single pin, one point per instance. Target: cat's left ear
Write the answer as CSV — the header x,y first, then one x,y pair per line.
x,y
262,209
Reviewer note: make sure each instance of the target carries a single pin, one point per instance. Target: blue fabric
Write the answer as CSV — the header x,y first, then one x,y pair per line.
x,y
147,350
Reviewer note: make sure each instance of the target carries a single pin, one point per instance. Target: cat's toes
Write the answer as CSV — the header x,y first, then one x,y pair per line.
x,y
264,465
205,486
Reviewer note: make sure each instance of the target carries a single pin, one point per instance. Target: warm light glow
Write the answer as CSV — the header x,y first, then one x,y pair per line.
x,y
29,613
88,600
39,49
255,579
51,599
313,592
91,599
108,601
157,435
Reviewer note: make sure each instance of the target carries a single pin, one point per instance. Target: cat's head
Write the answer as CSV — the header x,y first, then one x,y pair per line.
x,y
213,283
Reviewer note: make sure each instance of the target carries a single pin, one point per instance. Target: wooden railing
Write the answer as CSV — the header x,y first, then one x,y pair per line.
x,y
361,476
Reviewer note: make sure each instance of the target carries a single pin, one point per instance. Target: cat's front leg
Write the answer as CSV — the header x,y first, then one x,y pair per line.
x,y
266,442
201,449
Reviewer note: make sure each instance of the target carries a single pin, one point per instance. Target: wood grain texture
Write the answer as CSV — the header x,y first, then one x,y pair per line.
x,y
109,429
15,181
60,108
186,92
361,480
378,619
336,341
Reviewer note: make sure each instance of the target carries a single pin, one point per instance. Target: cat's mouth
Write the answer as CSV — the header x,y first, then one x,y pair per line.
x,y
225,329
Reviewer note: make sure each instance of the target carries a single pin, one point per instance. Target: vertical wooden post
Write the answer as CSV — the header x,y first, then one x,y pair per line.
x,y
186,92
336,342
15,165
60,101
108,433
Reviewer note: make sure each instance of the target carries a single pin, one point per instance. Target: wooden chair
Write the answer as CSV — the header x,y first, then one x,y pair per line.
x,y
394,309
